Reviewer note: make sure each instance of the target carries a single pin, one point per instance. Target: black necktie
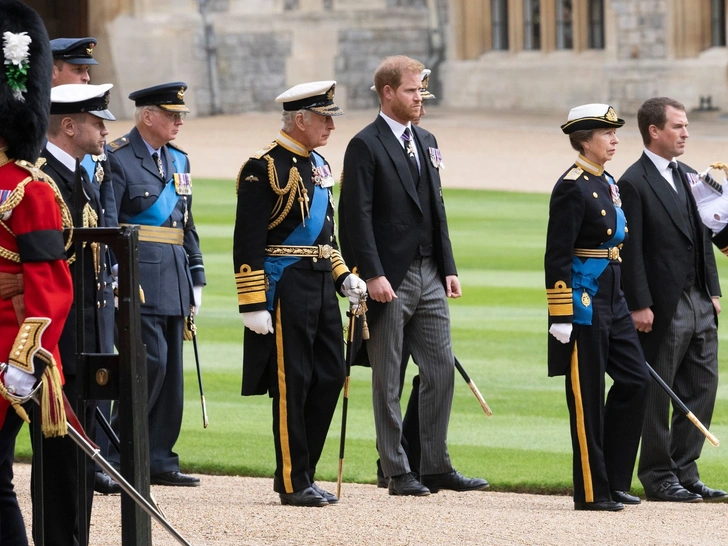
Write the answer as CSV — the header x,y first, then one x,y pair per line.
x,y
158,161
409,148
676,180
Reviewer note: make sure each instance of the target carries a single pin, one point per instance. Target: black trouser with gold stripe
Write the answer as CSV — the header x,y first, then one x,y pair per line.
x,y
309,373
605,436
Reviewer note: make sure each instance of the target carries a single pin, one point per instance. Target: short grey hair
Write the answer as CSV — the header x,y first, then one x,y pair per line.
x,y
577,139
288,118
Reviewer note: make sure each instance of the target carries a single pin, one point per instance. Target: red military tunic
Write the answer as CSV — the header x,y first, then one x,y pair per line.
x,y
31,245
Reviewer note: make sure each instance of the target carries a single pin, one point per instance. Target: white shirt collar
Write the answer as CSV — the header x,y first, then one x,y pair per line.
x,y
663,166
396,127
62,156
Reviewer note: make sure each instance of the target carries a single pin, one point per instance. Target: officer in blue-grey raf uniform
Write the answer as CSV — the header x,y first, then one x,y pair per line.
x,y
72,60
288,271
153,189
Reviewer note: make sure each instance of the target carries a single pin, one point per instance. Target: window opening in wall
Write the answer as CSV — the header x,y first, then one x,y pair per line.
x,y
499,23
564,25
596,24
532,24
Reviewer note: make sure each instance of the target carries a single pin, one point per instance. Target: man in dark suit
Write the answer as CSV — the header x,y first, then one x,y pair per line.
x,y
671,285
76,128
394,230
153,189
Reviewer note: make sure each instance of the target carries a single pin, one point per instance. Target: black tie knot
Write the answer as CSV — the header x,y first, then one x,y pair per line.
x,y
672,165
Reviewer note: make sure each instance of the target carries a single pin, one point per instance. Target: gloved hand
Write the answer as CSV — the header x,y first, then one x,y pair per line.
x,y
561,331
197,293
258,321
354,288
18,382
115,272
713,209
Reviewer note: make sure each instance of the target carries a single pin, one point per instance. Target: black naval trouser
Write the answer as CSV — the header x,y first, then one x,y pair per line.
x,y
605,436
308,375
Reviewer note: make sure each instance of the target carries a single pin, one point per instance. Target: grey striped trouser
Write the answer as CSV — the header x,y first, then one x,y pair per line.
x,y
419,316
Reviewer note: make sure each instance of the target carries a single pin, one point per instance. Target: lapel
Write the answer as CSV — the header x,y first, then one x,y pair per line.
x,y
665,194
66,182
428,171
393,149
140,150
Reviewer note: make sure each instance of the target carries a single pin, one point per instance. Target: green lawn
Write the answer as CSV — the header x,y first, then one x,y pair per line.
x,y
499,334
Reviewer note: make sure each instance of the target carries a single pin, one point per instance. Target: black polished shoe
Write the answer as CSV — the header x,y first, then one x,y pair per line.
x,y
407,484
453,481
602,506
382,482
175,479
304,497
673,492
708,494
624,497
104,484
330,497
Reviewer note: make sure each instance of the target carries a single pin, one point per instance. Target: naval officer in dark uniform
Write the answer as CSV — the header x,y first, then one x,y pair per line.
x,y
288,271
77,127
591,329
153,189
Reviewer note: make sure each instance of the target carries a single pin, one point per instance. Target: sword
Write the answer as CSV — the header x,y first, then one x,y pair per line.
x,y
473,387
78,435
680,404
193,330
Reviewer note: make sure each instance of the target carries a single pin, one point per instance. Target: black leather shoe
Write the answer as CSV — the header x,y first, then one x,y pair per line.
x,y
330,497
407,484
304,497
175,479
625,498
453,481
699,488
673,492
104,484
382,482
603,506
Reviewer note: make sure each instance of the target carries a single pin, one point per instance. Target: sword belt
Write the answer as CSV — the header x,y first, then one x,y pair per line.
x,y
285,251
608,253
156,234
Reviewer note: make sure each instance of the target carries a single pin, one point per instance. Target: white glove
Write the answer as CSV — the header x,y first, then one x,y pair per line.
x,y
197,294
115,272
18,382
561,331
354,288
258,321
713,210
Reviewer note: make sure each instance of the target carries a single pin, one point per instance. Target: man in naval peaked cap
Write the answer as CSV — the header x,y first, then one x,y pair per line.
x,y
289,271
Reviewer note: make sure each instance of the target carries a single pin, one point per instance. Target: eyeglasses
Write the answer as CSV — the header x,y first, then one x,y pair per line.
x,y
175,116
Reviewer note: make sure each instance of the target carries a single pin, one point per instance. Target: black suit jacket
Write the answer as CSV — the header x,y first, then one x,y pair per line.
x,y
98,296
657,258
379,210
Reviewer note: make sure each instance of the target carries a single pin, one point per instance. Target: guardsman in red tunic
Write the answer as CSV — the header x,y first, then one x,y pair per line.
x,y
35,284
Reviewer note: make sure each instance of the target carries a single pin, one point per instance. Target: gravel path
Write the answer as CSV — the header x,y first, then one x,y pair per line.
x,y
227,511
480,150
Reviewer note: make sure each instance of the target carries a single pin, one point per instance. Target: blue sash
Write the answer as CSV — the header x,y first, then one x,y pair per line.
x,y
301,236
584,274
89,164
167,200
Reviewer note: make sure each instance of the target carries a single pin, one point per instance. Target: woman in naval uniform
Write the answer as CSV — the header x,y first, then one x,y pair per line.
x,y
591,329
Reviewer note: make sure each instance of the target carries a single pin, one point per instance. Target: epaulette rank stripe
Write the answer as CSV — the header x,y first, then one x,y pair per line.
x,y
260,153
251,285
574,173
560,301
338,267
118,143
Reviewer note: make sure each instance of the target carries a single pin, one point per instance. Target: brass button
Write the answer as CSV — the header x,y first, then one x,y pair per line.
x,y
595,195
327,218
174,224
98,305
586,177
331,238
314,260
146,194
626,229
604,212
609,232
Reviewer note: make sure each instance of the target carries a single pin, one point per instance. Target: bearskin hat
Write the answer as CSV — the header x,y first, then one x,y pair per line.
x,y
24,115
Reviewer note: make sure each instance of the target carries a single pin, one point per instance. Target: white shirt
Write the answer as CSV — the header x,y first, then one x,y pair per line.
x,y
62,156
398,130
663,167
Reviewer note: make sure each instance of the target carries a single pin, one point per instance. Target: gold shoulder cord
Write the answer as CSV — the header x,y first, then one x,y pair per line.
x,y
294,188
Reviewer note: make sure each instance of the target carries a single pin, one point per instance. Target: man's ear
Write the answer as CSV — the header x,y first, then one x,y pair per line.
x,y
68,126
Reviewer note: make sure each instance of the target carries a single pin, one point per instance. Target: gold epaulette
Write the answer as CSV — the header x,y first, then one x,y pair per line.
x,y
574,173
260,153
251,285
559,300
338,267
118,143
